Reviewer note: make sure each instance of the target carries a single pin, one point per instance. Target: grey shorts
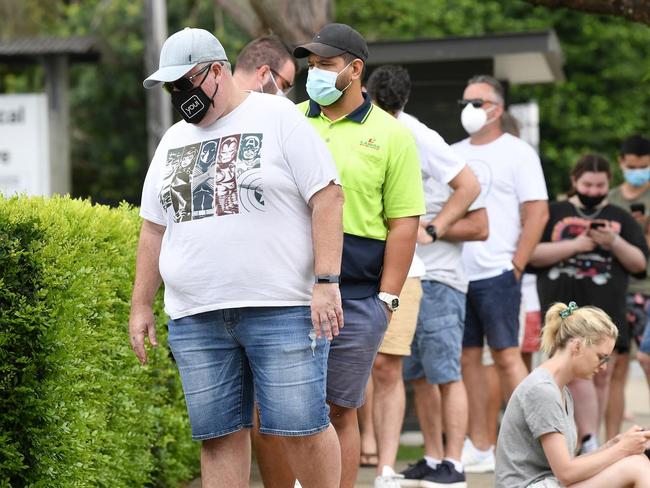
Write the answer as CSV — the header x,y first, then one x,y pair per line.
x,y
551,482
353,351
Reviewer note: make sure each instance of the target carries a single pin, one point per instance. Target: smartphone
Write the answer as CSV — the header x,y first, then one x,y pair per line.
x,y
597,225
638,207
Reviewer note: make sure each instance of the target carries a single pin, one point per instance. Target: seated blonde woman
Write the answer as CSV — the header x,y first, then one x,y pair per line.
x,y
538,436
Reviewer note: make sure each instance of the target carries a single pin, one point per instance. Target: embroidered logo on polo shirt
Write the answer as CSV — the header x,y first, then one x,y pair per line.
x,y
370,143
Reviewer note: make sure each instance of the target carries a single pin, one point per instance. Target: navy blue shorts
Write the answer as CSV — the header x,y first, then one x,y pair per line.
x,y
493,312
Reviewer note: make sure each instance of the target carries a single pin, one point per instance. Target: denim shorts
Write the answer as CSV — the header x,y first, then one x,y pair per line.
x,y
222,354
437,345
493,312
353,351
644,346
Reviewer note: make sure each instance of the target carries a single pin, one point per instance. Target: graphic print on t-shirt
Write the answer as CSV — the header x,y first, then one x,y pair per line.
x,y
595,265
215,177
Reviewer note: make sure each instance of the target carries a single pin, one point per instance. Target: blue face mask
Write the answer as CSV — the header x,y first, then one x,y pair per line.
x,y
321,86
637,177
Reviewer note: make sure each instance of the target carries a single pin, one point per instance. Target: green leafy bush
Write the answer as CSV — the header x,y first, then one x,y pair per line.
x,y
76,408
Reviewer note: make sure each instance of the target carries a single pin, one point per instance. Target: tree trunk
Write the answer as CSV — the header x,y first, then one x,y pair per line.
x,y
635,10
294,22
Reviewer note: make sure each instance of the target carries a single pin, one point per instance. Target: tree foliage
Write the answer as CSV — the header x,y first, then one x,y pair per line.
x,y
604,99
607,91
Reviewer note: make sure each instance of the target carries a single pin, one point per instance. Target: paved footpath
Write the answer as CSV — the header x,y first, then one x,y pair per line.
x,y
638,404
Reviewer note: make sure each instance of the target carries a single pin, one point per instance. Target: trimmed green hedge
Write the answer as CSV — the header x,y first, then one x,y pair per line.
x,y
76,408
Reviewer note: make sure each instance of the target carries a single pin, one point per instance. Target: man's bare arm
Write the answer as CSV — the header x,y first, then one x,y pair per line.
x,y
147,282
466,188
327,237
400,247
535,217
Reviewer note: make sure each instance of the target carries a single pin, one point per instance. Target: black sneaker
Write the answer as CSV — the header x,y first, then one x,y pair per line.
x,y
444,476
415,472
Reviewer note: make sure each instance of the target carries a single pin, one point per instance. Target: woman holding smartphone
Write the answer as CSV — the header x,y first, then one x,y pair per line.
x,y
587,252
537,439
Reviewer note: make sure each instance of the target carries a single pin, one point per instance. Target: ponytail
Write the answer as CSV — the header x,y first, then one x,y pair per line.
x,y
565,322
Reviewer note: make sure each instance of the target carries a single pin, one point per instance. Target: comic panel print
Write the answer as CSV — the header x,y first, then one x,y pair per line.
x,y
171,163
203,180
212,178
182,184
226,198
249,174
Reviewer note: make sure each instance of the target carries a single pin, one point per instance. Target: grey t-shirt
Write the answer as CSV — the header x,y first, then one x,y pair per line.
x,y
535,408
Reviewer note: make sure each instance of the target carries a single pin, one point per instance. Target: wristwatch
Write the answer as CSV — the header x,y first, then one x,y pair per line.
x,y
432,231
391,301
326,279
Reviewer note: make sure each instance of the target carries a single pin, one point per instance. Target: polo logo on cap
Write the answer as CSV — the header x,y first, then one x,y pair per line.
x,y
192,105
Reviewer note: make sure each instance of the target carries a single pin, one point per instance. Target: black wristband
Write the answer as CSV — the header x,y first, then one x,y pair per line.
x,y
326,279
432,231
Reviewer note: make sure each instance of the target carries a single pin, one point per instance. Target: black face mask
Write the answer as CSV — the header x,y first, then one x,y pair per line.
x,y
590,201
193,104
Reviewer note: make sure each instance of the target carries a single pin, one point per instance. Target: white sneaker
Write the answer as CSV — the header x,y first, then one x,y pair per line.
x,y
388,479
476,461
589,444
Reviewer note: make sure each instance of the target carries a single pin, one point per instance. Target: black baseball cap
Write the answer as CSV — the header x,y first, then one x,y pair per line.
x,y
334,40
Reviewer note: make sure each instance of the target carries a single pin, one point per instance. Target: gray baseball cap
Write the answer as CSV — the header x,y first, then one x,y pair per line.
x,y
184,50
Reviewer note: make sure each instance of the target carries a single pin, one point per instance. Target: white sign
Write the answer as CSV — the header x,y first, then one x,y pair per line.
x,y
527,114
24,145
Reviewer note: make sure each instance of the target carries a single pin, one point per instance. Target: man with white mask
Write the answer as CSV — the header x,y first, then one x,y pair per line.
x,y
265,65
511,179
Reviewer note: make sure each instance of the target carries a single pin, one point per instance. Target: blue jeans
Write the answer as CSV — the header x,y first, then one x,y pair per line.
x,y
223,353
437,345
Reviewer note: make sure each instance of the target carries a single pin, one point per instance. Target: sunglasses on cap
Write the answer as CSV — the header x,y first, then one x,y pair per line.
x,y
185,84
475,102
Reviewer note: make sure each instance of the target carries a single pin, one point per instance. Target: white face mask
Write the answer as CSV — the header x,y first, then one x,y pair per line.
x,y
278,91
474,119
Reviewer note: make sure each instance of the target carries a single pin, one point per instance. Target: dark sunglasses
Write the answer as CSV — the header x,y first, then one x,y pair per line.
x,y
476,102
185,84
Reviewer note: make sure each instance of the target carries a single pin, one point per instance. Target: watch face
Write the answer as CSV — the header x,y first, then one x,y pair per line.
x,y
394,303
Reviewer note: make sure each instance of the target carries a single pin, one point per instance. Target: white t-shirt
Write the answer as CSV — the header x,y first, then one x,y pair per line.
x,y
510,174
529,296
233,198
437,160
443,259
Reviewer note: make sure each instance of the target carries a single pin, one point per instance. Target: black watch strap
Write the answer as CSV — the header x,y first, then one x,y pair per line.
x,y
327,279
432,231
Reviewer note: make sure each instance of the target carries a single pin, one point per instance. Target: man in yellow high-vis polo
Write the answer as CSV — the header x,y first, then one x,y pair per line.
x,y
379,169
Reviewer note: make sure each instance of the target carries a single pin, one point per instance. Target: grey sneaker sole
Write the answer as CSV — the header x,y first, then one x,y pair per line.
x,y
479,468
431,484
413,483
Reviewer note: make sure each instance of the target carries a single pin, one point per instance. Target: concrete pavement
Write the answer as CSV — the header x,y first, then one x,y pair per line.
x,y
637,404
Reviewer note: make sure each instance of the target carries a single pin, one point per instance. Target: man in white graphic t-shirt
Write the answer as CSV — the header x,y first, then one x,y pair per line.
x,y
242,222
511,179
